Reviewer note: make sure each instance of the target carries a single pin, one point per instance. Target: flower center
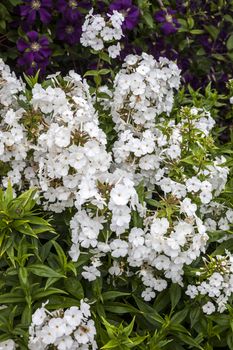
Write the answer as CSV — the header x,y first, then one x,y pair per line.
x,y
169,18
35,5
69,29
35,46
73,4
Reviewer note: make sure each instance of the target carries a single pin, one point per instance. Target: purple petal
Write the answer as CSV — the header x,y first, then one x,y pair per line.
x,y
24,10
33,36
43,41
168,28
22,45
45,16
31,16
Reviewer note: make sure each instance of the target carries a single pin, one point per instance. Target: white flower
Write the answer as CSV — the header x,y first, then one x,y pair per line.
x,y
57,326
39,316
208,308
191,291
114,50
193,184
174,151
119,248
85,308
48,336
159,226
188,207
161,262
120,195
205,197
7,345
115,269
229,215
64,343
148,294
73,316
90,273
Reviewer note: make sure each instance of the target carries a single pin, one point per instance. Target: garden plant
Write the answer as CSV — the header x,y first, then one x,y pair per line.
x,y
116,174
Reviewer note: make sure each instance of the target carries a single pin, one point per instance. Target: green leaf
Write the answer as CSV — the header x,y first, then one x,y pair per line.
x,y
212,30
175,294
8,195
148,312
189,340
113,294
74,287
91,73
23,277
104,56
180,316
44,271
190,22
41,293
112,344
128,330
61,254
104,71
229,42
149,19
120,308
195,314
10,298
197,31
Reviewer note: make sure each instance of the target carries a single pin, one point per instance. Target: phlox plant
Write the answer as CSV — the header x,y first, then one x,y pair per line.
x,y
116,208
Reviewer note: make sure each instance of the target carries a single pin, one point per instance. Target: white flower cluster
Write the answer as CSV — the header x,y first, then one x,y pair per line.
x,y
150,206
9,85
114,197
150,150
215,283
143,90
8,345
98,30
53,141
72,329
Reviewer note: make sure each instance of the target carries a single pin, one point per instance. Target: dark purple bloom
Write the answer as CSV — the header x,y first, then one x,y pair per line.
x,y
130,12
35,52
70,8
69,31
169,23
34,7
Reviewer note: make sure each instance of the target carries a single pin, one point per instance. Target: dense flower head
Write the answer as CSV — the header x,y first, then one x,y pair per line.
x,y
69,144
143,85
35,52
98,32
130,12
167,18
63,329
31,8
214,281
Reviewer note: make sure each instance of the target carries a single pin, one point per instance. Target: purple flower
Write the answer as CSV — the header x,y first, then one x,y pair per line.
x,y
32,7
169,23
69,31
130,12
35,52
70,8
